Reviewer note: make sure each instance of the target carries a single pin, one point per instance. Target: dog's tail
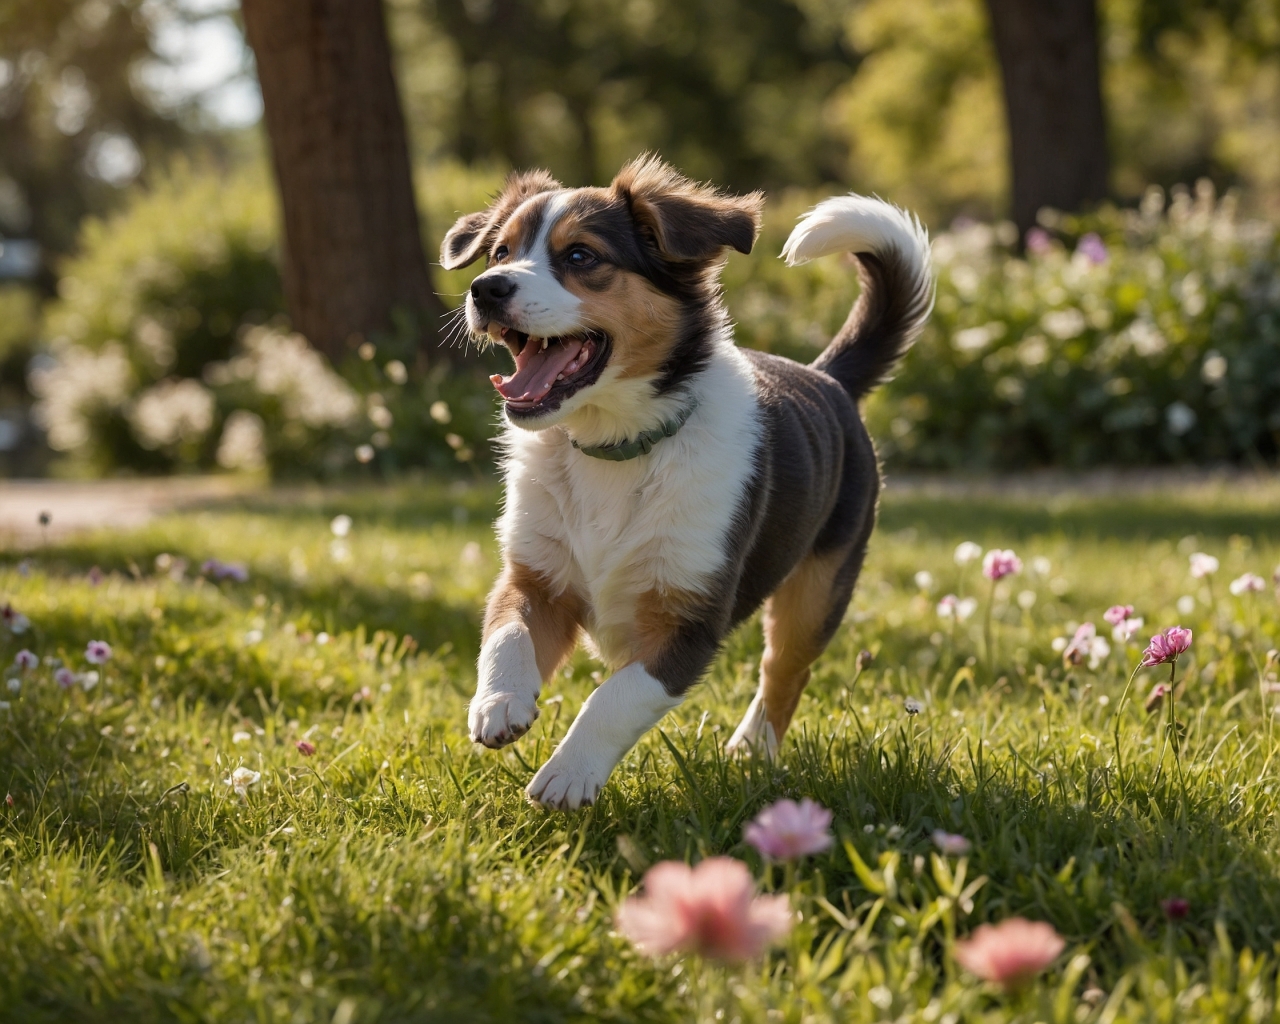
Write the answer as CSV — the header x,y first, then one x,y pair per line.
x,y
892,249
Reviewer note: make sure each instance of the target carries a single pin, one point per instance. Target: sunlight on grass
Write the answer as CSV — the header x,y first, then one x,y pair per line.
x,y
398,873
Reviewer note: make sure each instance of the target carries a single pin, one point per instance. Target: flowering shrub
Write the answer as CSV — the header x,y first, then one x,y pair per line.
x,y
1155,338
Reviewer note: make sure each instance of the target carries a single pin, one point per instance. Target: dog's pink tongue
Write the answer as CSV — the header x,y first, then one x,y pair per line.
x,y
536,370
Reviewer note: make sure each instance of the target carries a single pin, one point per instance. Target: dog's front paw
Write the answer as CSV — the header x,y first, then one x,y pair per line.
x,y
497,719
566,787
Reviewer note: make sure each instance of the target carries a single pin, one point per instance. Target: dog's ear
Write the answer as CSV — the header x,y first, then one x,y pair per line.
x,y
472,234
683,220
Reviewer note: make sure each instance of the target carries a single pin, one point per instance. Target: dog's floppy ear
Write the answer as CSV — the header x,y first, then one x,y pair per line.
x,y
682,219
472,234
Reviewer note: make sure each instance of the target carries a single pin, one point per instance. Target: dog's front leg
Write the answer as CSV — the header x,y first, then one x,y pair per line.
x,y
625,706
528,630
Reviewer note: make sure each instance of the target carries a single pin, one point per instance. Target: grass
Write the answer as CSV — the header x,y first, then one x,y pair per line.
x,y
400,875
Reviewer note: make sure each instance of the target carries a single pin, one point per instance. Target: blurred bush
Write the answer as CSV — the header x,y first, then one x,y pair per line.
x,y
1129,337
168,350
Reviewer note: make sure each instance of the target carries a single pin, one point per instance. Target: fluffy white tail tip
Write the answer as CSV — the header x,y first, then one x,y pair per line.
x,y
856,224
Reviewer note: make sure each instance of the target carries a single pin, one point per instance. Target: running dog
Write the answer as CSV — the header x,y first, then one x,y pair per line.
x,y
661,483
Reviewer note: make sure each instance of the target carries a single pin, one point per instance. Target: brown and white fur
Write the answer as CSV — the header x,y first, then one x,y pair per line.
x,y
610,300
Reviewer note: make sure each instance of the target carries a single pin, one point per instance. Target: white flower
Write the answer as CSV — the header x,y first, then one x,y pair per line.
x,y
1186,604
76,386
1041,566
1059,644
1248,583
241,779
440,412
912,706
341,525
170,412
243,445
14,684
88,680
240,736
965,608
1099,650
1124,631
924,579
947,606
1203,565
967,551
5,705
339,551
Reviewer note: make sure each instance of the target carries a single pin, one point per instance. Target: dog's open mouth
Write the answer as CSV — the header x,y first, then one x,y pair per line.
x,y
549,370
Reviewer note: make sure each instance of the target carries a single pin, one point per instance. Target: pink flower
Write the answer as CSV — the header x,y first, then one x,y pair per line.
x,y
1081,644
1249,583
1125,630
1175,907
1011,952
711,910
998,564
1166,646
1092,248
305,748
98,652
25,660
1039,241
1117,613
949,844
947,606
65,678
788,830
1203,565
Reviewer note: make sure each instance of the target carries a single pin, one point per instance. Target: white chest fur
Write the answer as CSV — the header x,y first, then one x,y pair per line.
x,y
613,531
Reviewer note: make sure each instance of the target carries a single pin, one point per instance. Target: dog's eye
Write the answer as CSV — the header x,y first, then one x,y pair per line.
x,y
580,257
501,253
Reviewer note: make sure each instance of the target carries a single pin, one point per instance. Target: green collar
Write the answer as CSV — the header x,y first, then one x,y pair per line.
x,y
621,451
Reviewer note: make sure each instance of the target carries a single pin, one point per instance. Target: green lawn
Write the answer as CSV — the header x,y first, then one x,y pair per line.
x,y
400,875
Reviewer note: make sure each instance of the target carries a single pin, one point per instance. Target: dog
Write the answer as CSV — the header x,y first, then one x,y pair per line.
x,y
662,484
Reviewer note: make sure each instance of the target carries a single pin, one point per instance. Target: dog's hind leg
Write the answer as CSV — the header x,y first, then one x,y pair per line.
x,y
799,621
528,631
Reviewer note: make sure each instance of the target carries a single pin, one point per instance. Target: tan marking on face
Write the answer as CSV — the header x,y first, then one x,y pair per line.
x,y
658,614
793,620
521,595
521,229
641,320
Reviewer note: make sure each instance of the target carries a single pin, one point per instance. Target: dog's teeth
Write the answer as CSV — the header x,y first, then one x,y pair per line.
x,y
544,344
560,376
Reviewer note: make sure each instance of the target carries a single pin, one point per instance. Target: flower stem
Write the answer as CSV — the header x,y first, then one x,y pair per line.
x,y
986,630
1119,710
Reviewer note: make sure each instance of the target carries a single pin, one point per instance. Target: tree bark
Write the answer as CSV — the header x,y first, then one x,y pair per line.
x,y
352,243
1049,62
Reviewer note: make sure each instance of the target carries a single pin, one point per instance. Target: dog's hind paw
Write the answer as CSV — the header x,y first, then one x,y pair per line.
x,y
501,718
755,734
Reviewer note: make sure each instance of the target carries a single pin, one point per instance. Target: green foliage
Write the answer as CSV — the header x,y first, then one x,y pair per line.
x,y
69,75
730,91
399,874
1166,351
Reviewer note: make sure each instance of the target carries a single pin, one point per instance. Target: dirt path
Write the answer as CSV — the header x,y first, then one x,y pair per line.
x,y
74,505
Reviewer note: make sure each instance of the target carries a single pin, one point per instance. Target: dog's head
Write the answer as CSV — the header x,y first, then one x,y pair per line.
x,y
597,291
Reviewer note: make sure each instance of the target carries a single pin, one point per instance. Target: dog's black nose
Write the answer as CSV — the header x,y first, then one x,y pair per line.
x,y
492,288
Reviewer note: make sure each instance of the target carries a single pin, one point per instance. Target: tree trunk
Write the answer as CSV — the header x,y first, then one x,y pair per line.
x,y
353,249
1049,61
